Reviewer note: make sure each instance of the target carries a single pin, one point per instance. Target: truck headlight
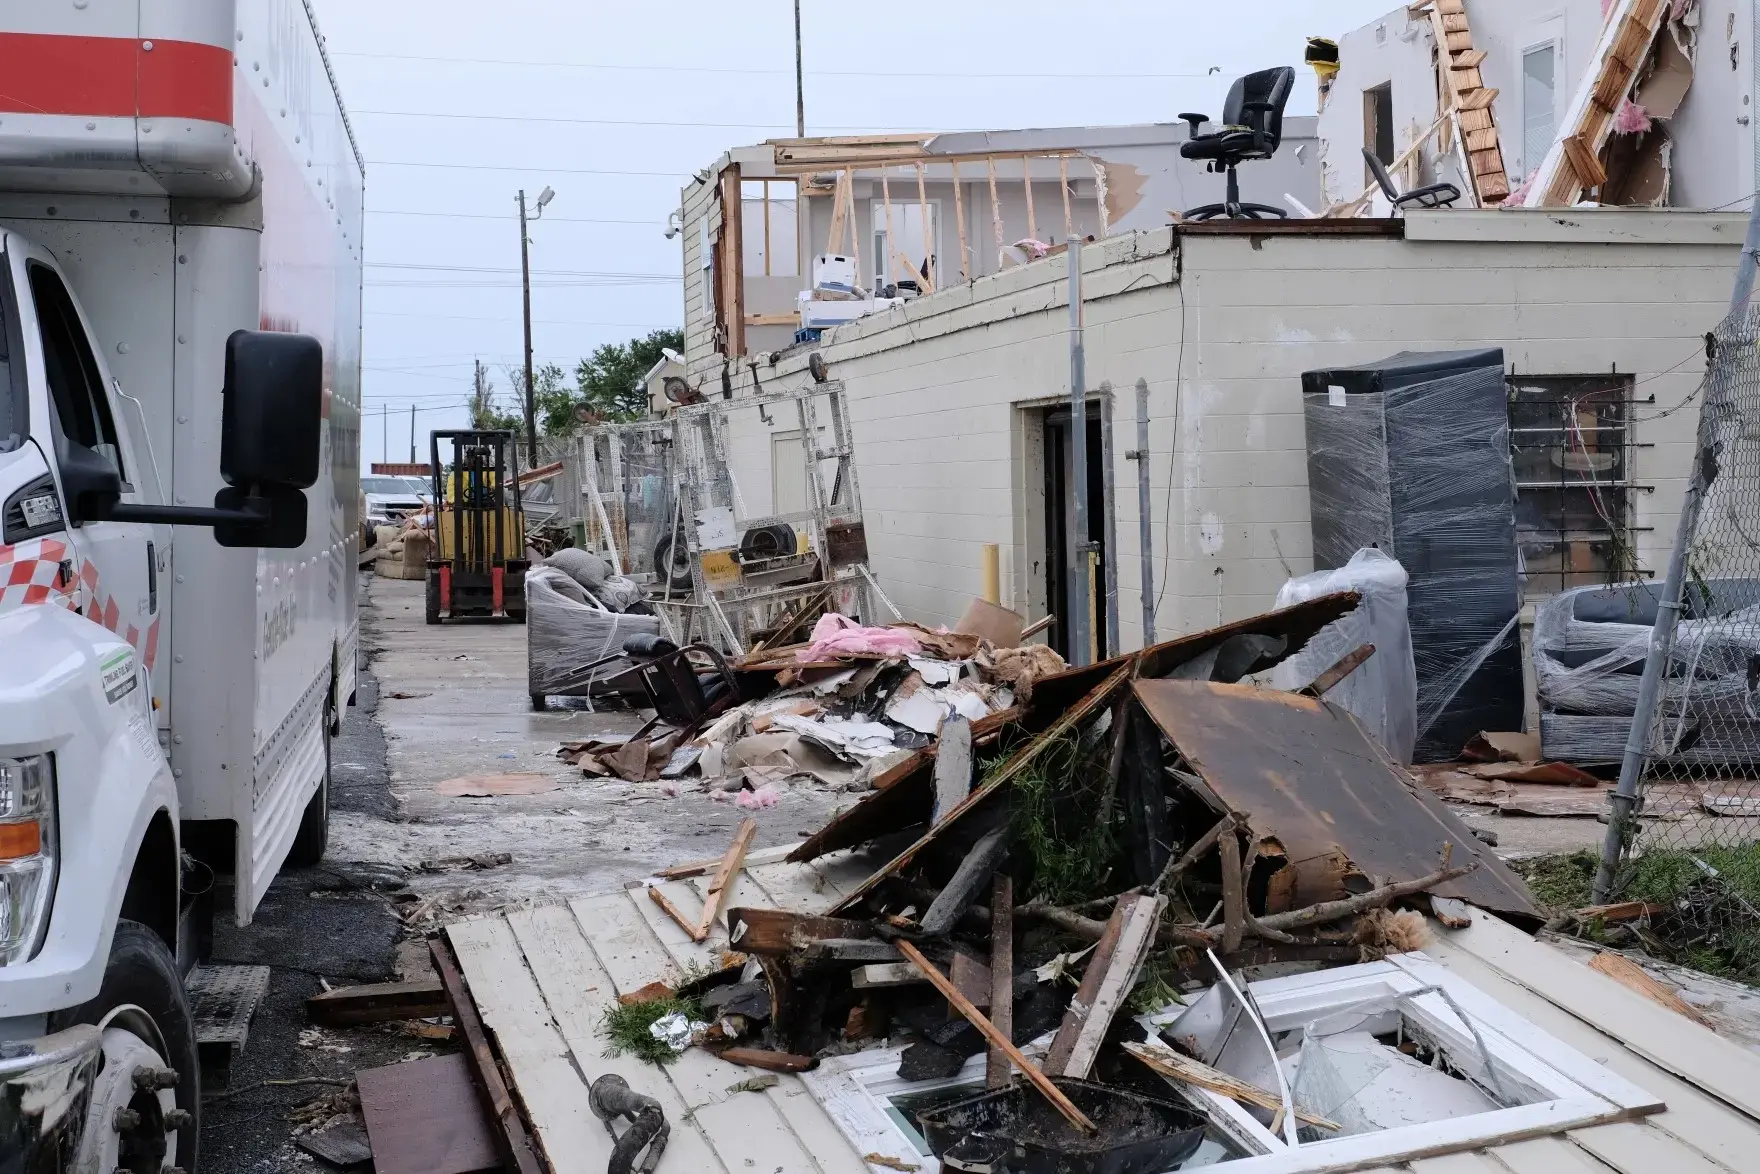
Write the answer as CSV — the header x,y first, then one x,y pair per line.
x,y
28,851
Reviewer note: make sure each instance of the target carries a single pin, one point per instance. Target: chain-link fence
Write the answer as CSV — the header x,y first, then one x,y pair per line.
x,y
1699,809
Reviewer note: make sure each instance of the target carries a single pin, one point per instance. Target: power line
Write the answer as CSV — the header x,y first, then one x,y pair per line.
x,y
535,321
639,122
545,169
431,267
841,73
502,216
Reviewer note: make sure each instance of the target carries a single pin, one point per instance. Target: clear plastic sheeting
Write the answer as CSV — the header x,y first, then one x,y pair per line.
x,y
565,634
1590,644
1383,691
1411,455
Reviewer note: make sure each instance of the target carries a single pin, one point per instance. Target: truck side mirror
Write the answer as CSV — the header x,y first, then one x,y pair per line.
x,y
272,410
271,424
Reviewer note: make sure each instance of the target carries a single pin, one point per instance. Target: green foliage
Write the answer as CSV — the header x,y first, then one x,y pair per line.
x,y
1560,882
610,380
1055,798
486,413
625,1028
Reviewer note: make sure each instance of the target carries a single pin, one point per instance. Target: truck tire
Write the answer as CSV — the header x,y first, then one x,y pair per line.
x,y
141,976
314,825
433,602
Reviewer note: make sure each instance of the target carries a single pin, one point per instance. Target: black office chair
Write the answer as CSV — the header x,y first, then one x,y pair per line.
x,y
1435,195
1252,127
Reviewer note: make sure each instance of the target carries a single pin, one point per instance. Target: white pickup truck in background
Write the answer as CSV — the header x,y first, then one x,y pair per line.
x,y
180,283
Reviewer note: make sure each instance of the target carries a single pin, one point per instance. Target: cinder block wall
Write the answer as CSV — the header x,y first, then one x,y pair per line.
x,y
1221,326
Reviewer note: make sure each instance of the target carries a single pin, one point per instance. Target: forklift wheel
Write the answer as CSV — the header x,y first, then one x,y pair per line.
x,y
433,606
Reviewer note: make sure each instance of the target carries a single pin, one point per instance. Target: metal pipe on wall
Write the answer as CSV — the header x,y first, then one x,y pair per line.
x,y
1145,536
1078,544
1110,520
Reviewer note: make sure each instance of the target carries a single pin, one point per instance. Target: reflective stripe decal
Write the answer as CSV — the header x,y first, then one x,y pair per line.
x,y
30,573
114,77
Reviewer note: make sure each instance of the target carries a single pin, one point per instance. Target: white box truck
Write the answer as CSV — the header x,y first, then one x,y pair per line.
x,y
180,283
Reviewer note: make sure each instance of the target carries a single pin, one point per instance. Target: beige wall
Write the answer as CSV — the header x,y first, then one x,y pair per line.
x,y
1221,326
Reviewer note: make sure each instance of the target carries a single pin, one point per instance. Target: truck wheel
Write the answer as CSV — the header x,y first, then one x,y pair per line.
x,y
433,608
314,825
149,1067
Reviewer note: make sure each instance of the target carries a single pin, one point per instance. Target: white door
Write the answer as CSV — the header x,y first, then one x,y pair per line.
x,y
120,568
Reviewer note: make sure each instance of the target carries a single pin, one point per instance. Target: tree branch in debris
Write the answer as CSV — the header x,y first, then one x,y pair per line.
x,y
1361,903
1071,922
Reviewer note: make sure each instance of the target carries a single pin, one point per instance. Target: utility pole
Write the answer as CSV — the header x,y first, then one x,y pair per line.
x,y
412,434
525,277
385,433
800,97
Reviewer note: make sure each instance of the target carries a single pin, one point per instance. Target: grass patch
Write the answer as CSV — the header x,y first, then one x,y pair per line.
x,y
1560,882
1054,801
625,1028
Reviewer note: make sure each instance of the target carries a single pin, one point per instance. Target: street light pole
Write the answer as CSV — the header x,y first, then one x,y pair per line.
x,y
525,276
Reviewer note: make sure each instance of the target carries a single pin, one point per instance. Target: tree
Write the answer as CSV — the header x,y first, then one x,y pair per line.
x,y
485,414
554,405
610,380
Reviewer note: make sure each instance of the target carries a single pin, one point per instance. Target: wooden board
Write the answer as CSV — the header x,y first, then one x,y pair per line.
x,y
423,1118
543,1075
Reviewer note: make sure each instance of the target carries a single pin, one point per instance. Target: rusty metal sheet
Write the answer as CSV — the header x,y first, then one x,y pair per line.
x,y
1305,774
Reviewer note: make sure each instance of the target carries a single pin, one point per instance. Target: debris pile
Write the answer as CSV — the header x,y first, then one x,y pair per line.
x,y
1108,839
839,711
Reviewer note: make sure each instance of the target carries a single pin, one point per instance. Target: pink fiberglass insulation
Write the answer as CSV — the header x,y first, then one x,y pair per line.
x,y
836,635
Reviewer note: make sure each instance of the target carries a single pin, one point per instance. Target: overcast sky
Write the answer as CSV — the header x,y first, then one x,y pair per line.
x,y
457,105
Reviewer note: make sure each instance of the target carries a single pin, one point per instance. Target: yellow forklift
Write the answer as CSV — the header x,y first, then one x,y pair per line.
x,y
478,565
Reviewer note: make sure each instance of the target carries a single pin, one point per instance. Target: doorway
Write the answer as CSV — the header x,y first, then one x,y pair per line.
x,y
1060,525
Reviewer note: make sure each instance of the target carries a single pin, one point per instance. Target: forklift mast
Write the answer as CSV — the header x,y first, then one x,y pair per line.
x,y
479,564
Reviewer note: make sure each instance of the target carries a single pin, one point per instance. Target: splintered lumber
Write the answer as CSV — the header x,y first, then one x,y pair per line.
x,y
988,1030
883,974
769,1061
1003,777
978,866
1630,975
1573,164
379,1003
722,882
1064,1042
1619,911
1092,1021
673,911
1001,975
1347,664
1234,898
511,1139
776,931
1466,93
1171,1064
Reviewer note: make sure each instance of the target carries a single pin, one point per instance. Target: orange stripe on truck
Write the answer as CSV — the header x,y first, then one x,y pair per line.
x,y
114,77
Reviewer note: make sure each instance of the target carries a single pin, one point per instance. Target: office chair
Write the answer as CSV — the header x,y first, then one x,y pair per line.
x,y
1436,195
1252,127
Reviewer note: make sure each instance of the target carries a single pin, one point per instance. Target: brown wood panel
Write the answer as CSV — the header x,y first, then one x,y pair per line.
x,y
423,1117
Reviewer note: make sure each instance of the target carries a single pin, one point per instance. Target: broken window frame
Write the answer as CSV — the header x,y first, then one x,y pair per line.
x,y
855,1090
1608,495
1582,1092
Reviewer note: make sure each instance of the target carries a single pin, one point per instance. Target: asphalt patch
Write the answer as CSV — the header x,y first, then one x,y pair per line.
x,y
333,922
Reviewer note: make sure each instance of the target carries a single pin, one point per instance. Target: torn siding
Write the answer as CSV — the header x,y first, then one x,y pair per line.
x,y
945,393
